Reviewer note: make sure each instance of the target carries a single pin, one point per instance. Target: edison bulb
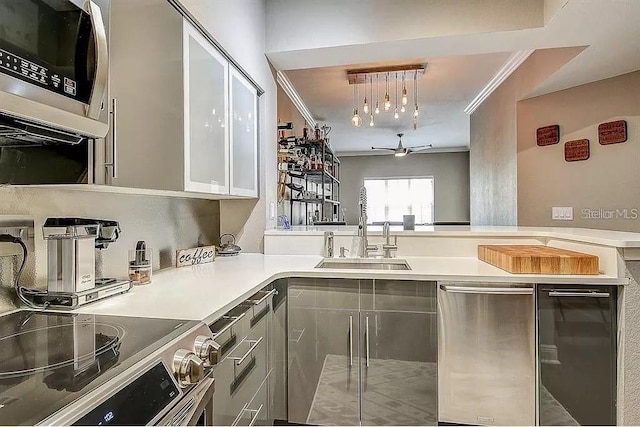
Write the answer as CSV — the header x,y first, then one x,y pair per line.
x,y
377,111
402,109
356,120
395,114
371,123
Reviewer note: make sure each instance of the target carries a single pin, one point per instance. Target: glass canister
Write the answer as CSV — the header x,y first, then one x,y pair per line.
x,y
140,264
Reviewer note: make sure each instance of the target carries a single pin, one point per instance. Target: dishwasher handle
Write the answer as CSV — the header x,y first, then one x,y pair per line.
x,y
486,290
587,294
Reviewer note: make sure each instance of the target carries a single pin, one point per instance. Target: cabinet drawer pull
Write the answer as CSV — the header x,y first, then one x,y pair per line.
x,y
254,415
489,291
254,344
264,298
350,340
579,294
366,335
235,319
297,340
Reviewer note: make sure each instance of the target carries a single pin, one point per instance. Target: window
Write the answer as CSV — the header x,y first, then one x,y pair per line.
x,y
390,199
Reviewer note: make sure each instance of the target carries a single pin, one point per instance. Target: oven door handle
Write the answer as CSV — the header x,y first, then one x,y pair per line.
x,y
102,61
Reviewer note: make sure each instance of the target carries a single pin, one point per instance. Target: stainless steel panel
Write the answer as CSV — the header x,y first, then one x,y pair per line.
x,y
320,346
324,293
364,264
398,368
399,295
486,357
577,328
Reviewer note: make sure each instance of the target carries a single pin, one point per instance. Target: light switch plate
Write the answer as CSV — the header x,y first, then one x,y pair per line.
x,y
562,213
272,210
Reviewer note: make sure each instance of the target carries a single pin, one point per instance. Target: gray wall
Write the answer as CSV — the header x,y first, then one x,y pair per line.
x,y
450,172
166,224
494,139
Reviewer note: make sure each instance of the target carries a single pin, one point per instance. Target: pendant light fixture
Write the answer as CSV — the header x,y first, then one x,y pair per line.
x,y
365,107
415,96
356,120
395,112
371,106
405,99
387,98
377,111
371,122
415,102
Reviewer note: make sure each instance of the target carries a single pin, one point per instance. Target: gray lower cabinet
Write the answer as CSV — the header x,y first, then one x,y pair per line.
x,y
278,352
242,374
577,327
362,352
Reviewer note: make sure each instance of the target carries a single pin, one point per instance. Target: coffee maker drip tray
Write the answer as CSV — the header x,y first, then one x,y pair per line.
x,y
104,288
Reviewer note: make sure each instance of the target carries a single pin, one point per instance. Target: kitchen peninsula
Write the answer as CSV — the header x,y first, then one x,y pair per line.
x,y
443,256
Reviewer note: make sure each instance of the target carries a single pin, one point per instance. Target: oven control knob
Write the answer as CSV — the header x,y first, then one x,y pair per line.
x,y
207,350
187,367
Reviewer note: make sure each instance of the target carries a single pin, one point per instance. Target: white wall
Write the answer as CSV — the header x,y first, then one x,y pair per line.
x,y
312,24
450,172
239,26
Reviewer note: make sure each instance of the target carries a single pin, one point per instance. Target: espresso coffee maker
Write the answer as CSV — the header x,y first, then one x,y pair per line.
x,y
71,261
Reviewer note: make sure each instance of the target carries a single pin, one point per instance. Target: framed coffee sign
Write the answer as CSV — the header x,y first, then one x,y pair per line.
x,y
548,135
195,256
612,132
576,150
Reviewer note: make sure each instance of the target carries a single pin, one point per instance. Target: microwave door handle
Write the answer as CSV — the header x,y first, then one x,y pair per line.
x,y
102,60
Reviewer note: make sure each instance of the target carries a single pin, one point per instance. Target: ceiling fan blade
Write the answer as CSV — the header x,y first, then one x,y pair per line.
x,y
419,148
383,148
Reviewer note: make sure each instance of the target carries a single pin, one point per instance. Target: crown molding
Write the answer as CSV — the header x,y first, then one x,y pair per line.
x,y
511,65
293,95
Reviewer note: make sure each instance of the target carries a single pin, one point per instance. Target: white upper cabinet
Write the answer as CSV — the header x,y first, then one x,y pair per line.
x,y
206,106
244,136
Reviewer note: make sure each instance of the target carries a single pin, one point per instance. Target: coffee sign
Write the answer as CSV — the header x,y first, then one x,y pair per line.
x,y
195,256
548,135
612,132
576,150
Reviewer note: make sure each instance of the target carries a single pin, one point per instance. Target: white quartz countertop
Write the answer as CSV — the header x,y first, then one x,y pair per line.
x,y
205,292
619,239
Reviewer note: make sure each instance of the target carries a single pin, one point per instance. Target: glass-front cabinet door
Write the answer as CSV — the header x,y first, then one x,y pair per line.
x,y
206,106
244,136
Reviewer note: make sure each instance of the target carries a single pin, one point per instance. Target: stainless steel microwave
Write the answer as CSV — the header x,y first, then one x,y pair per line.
x,y
54,65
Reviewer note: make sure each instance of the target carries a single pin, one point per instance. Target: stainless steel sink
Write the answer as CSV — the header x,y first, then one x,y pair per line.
x,y
364,264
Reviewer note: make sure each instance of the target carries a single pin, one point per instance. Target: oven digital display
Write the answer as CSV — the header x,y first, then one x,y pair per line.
x,y
136,404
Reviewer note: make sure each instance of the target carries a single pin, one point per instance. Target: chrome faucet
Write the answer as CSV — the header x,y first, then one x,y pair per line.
x,y
365,248
328,244
387,247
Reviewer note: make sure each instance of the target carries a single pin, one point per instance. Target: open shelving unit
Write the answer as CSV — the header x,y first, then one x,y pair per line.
x,y
312,183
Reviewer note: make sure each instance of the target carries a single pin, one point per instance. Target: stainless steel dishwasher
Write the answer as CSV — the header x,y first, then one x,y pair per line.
x,y
486,354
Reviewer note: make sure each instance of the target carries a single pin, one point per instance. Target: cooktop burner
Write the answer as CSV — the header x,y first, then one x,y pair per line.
x,y
47,360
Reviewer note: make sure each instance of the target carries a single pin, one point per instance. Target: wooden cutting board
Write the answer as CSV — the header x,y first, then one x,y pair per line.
x,y
536,259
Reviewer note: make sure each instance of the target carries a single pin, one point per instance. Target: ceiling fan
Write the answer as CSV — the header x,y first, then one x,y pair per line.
x,y
400,150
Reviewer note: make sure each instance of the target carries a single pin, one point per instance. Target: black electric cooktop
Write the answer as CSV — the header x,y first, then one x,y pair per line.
x,y
48,360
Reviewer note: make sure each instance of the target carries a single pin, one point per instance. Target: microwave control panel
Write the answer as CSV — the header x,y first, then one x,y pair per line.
x,y
16,66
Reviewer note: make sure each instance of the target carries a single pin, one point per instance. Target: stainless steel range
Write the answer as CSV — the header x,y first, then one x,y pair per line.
x,y
80,369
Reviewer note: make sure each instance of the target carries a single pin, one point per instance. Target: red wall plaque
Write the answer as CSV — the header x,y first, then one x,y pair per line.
x,y
576,150
548,135
612,132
